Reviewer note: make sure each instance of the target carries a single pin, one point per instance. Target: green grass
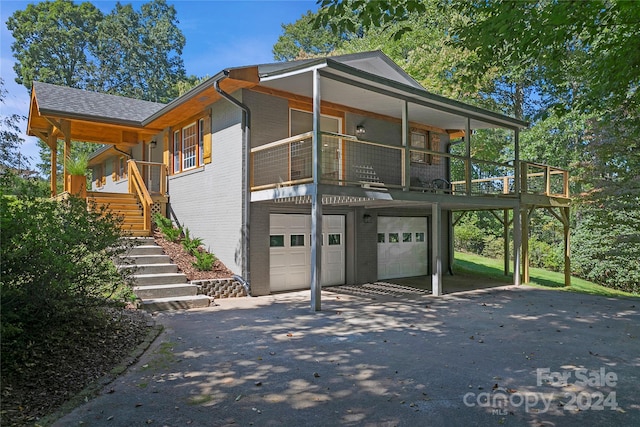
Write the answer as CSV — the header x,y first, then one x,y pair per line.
x,y
488,267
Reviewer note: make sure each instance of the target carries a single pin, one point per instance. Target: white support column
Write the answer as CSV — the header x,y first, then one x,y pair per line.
x,y
436,251
316,201
406,143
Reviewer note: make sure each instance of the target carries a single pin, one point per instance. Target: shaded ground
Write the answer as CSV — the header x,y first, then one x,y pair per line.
x,y
58,368
478,358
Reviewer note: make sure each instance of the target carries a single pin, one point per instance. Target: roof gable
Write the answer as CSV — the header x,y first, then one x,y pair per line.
x,y
375,62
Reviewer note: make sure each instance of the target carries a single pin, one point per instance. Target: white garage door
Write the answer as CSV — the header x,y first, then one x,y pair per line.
x,y
402,247
290,251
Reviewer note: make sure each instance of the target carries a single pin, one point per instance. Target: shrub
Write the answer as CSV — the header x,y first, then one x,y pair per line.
x,y
204,260
56,265
166,227
189,244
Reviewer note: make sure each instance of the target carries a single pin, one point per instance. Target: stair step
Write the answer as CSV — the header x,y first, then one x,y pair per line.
x,y
165,291
146,250
150,268
159,279
176,303
148,259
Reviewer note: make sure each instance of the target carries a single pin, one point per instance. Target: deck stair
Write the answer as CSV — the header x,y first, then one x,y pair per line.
x,y
158,284
124,204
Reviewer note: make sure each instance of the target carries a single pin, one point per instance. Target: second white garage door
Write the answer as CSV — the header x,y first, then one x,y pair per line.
x,y
290,251
402,247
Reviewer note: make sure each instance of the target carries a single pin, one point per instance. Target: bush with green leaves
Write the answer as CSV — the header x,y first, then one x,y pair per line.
x,y
164,224
56,265
204,260
191,244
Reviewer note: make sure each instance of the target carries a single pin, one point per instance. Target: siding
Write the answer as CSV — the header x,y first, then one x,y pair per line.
x,y
208,200
259,254
269,117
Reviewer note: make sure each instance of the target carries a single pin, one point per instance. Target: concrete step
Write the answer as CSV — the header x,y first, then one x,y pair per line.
x,y
142,241
150,268
147,259
165,291
176,303
159,279
146,250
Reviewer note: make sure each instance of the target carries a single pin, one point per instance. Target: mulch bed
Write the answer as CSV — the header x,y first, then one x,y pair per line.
x,y
185,261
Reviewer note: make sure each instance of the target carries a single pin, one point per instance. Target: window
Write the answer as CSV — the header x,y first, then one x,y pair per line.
x,y
380,237
406,237
424,140
334,239
393,238
276,241
297,240
419,140
419,237
188,146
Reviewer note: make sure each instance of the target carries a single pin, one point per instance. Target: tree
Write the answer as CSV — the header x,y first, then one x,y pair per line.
x,y
138,53
301,39
10,139
51,41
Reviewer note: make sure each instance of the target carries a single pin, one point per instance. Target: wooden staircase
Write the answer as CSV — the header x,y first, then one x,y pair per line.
x,y
124,204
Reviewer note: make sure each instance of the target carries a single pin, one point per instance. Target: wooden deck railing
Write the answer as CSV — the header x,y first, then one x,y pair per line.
x,y
138,188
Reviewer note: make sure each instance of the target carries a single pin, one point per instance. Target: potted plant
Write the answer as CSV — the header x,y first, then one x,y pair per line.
x,y
77,179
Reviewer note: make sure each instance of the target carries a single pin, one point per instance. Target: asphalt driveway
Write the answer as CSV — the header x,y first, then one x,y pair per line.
x,y
501,356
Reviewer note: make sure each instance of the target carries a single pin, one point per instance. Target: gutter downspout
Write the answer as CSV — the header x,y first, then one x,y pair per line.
x,y
246,195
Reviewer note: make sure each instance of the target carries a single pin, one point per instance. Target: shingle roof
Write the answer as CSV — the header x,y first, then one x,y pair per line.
x,y
78,103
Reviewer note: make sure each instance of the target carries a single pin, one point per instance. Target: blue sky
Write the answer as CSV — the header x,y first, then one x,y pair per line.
x,y
219,34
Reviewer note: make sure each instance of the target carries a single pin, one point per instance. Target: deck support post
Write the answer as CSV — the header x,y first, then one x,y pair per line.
x,y
53,144
316,201
525,244
505,232
567,248
517,244
436,243
406,143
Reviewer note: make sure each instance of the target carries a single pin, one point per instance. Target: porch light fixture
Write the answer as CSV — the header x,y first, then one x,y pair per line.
x,y
366,218
153,143
360,130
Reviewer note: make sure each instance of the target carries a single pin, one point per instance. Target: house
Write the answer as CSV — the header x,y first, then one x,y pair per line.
x,y
309,173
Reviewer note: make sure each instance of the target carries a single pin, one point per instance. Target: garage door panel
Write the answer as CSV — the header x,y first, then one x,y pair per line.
x,y
402,247
290,265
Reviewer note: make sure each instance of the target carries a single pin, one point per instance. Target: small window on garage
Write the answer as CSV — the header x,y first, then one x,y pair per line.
x,y
276,241
406,237
334,239
419,237
297,240
394,238
380,237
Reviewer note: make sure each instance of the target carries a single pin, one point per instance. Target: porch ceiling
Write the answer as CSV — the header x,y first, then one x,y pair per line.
x,y
386,98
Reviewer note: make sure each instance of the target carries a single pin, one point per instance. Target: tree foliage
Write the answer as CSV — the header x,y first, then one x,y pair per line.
x,y
138,53
52,41
302,40
126,52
